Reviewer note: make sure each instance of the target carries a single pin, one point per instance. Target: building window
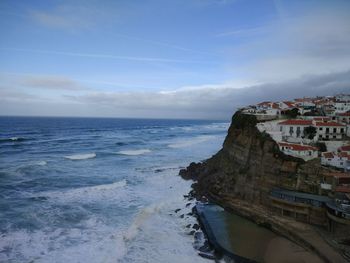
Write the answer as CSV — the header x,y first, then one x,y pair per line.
x,y
327,130
334,136
281,128
298,132
309,153
334,130
291,131
342,130
320,128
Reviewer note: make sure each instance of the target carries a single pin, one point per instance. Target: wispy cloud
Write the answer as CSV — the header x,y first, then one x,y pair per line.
x,y
164,44
243,32
49,82
107,56
68,16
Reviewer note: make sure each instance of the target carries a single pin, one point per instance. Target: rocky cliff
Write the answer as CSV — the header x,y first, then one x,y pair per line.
x,y
249,165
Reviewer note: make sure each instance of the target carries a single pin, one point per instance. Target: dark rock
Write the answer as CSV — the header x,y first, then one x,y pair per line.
x,y
192,232
188,204
195,226
248,166
177,210
182,216
188,226
207,255
189,214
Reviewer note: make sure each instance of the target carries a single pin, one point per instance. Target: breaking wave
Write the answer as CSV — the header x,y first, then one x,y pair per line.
x,y
81,156
134,152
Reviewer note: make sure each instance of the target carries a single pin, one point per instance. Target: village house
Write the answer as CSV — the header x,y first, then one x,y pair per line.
x,y
343,117
305,152
345,148
328,130
340,160
294,128
336,182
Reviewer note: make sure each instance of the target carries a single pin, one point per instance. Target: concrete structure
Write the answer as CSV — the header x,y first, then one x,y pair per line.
x,y
308,208
305,152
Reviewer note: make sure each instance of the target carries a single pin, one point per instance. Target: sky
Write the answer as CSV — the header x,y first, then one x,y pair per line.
x,y
198,59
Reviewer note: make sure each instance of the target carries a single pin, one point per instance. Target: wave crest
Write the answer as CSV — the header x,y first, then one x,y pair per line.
x,y
84,156
134,152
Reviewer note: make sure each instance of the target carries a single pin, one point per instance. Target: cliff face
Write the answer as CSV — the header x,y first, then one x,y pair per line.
x,y
249,165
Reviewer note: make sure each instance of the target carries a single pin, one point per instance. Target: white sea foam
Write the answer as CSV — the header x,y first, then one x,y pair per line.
x,y
88,193
134,152
41,163
81,156
191,141
98,243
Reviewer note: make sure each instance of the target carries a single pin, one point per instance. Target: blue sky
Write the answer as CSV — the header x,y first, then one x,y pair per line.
x,y
168,59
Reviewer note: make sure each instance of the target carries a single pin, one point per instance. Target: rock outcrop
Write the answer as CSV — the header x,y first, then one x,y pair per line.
x,y
249,165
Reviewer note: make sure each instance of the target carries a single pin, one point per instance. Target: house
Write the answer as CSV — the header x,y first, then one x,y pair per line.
x,y
342,106
343,117
287,105
327,130
305,152
294,128
335,182
345,148
339,160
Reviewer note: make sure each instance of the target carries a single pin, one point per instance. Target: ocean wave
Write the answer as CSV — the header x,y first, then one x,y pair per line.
x,y
96,242
41,163
142,217
13,139
81,156
191,141
134,152
88,193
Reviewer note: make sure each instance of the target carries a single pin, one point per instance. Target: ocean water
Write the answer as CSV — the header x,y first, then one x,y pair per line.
x,y
99,190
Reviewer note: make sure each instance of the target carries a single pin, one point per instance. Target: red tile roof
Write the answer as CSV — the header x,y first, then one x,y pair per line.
x,y
342,189
347,114
298,147
328,155
338,175
275,106
345,148
343,154
296,122
289,104
264,103
329,124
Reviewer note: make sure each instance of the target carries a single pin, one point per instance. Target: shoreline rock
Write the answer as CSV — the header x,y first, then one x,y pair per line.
x,y
241,175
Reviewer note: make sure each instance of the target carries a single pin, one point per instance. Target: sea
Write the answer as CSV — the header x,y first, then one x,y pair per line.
x,y
100,189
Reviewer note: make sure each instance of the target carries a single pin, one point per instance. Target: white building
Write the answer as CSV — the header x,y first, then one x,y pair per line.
x,y
339,160
294,128
343,117
305,152
341,106
329,130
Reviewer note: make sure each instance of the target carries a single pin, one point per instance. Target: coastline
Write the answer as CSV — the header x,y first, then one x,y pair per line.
x,y
304,235
242,174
